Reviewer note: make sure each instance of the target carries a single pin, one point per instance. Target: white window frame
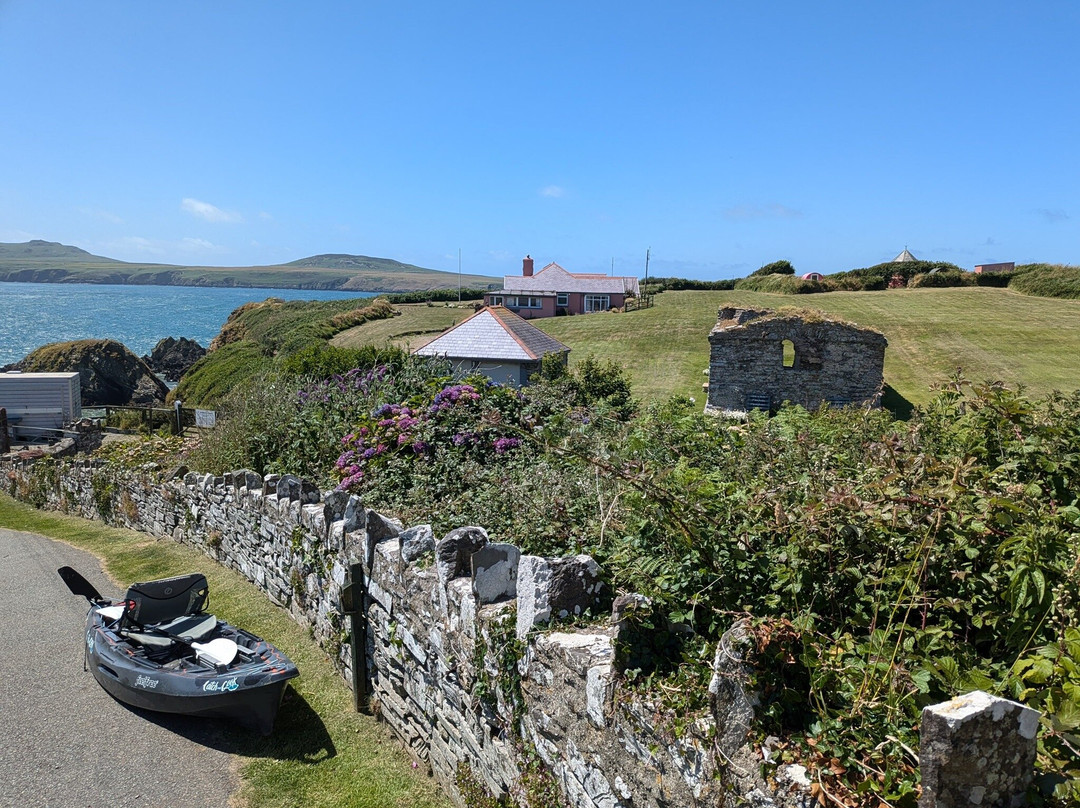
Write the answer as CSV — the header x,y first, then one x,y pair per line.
x,y
592,300
562,299
496,300
533,303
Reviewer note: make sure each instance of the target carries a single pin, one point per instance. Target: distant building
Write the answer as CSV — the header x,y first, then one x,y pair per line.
x,y
553,291
1006,266
813,276
904,257
760,358
497,343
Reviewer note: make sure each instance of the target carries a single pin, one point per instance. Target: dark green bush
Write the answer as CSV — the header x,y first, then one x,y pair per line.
x,y
322,361
775,268
942,279
657,285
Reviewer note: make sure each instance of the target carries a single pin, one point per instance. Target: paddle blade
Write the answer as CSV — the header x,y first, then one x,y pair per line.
x,y
79,585
217,652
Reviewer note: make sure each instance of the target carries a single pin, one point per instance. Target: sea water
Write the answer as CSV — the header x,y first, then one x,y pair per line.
x,y
34,314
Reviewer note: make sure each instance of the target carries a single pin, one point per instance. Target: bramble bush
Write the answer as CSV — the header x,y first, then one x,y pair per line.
x,y
880,566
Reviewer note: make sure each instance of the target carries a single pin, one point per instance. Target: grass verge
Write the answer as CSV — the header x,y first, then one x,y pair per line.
x,y
321,752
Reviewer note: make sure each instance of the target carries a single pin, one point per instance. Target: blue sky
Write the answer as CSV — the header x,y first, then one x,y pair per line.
x,y
722,135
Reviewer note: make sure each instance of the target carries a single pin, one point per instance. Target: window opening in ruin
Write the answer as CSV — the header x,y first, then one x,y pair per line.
x,y
789,354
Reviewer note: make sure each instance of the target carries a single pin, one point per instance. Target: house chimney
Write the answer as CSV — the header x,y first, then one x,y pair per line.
x,y
527,266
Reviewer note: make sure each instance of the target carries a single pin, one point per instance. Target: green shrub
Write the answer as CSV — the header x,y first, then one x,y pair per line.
x,y
1047,280
322,361
783,284
878,276
942,279
879,566
657,285
775,268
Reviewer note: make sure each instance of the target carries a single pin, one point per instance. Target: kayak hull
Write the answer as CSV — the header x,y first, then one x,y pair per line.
x,y
248,690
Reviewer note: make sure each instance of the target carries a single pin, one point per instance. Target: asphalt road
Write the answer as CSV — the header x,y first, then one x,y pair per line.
x,y
64,742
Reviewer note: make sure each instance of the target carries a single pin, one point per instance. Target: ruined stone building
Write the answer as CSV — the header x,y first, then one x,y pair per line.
x,y
761,358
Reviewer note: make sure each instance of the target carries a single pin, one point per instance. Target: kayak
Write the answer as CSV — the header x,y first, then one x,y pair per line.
x,y
158,650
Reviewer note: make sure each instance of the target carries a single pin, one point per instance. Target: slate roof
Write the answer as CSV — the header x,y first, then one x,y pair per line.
x,y
494,332
904,256
553,279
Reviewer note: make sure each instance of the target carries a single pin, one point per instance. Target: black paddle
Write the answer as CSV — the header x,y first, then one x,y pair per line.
x,y
221,651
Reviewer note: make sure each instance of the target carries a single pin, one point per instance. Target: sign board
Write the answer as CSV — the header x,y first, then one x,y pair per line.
x,y
205,419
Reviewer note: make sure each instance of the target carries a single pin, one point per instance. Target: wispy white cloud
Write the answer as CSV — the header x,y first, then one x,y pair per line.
x,y
135,247
199,245
1052,216
553,191
265,216
103,215
771,211
211,213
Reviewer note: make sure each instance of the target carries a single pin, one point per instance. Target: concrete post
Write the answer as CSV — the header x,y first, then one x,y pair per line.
x,y
977,750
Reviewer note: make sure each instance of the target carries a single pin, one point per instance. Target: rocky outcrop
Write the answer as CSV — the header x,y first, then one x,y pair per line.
x,y
108,372
172,357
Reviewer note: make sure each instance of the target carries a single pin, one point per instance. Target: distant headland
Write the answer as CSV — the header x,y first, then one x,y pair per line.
x,y
50,262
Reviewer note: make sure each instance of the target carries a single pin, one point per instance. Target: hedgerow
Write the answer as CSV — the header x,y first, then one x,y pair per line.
x,y
876,566
880,566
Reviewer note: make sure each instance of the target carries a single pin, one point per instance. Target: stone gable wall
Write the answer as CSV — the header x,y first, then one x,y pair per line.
x,y
834,362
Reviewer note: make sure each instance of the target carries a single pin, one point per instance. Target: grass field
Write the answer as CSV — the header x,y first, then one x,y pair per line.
x,y
321,752
416,324
988,333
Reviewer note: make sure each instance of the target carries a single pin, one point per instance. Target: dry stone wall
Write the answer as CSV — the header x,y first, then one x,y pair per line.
x,y
455,663
459,657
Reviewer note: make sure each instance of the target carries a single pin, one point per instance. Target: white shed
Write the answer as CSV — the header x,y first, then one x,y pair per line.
x,y
40,400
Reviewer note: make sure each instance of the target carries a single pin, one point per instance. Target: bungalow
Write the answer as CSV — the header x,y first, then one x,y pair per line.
x,y
496,343
553,291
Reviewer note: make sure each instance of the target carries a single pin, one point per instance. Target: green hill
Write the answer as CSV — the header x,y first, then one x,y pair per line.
x,y
50,262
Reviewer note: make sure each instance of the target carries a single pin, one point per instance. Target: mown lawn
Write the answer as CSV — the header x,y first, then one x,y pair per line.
x,y
987,333
417,323
321,752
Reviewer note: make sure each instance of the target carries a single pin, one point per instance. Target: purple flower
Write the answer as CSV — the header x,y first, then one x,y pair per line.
x,y
504,445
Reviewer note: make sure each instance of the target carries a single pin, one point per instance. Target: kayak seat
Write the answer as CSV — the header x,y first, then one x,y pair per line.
x,y
155,602
193,628
170,605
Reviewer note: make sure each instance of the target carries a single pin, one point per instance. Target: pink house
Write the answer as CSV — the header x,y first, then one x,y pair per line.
x,y
1006,266
813,276
553,291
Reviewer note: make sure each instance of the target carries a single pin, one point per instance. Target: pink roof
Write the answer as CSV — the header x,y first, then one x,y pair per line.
x,y
553,279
